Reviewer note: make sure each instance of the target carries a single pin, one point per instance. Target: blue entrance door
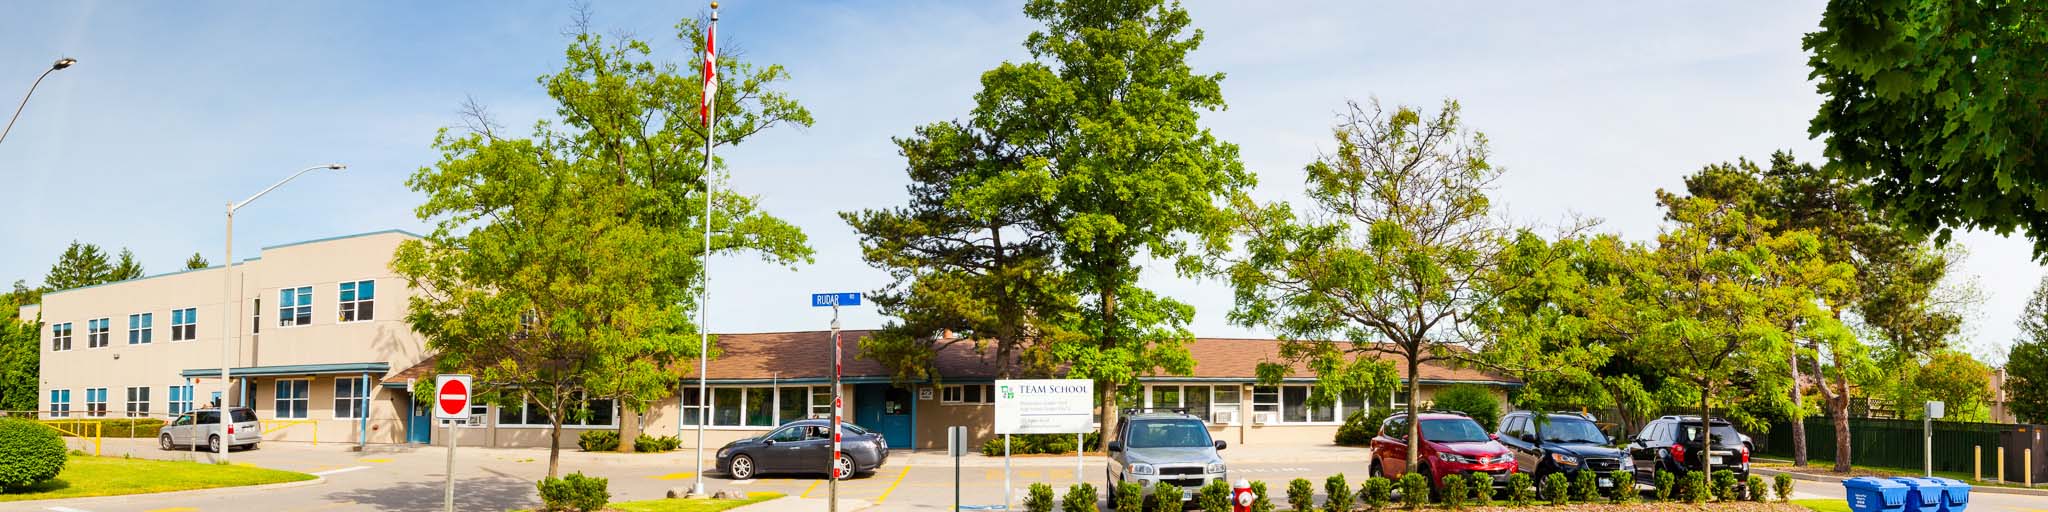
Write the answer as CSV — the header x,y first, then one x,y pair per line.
x,y
886,409
420,427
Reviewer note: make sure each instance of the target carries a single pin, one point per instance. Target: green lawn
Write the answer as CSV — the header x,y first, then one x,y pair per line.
x,y
691,505
1823,505
1826,468
86,475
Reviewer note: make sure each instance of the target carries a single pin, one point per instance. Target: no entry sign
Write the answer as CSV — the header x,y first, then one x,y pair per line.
x,y
451,397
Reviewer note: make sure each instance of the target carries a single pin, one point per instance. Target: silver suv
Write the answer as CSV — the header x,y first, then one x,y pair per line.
x,y
1174,448
203,426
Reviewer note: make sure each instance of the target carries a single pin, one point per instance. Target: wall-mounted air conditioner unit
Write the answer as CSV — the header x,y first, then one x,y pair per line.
x,y
1223,417
1262,418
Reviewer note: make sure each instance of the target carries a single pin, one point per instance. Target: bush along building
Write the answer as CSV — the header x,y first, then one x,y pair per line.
x,y
321,348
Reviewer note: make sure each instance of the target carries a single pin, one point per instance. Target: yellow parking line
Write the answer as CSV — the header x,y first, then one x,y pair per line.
x,y
373,460
892,485
675,476
807,490
176,509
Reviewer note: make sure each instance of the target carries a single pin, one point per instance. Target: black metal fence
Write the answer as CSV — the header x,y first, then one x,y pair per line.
x,y
1890,443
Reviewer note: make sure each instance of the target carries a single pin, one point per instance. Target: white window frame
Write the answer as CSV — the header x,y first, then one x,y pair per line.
x,y
820,405
300,301
610,422
359,402
141,328
956,394
304,400
96,333
1279,405
189,329
60,408
133,408
173,405
343,307
60,334
101,411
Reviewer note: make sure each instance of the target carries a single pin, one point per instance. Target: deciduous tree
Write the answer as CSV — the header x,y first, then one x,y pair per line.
x,y
2026,365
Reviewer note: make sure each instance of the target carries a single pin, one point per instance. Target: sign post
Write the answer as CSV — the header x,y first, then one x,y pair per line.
x,y
956,446
451,404
1935,410
1043,406
834,300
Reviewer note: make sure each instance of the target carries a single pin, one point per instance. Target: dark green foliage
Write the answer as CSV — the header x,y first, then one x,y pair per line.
x,y
1557,488
650,444
1414,490
146,428
1030,444
29,453
1754,489
1521,489
1665,484
1038,498
1079,498
1376,492
1130,496
1301,495
598,440
1696,488
2026,364
1336,494
1454,492
1586,487
1782,483
1625,487
1473,400
1214,497
1359,427
1165,498
1724,485
1482,489
574,493
1261,502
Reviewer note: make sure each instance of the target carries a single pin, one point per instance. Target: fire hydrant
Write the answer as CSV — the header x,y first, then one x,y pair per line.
x,y
1241,496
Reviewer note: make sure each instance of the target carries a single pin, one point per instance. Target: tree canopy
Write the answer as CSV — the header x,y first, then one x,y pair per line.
x,y
2026,364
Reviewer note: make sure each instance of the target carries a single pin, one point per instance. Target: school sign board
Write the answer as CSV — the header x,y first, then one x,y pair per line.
x,y
1045,406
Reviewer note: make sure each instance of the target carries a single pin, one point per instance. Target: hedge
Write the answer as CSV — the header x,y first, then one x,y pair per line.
x,y
113,427
29,453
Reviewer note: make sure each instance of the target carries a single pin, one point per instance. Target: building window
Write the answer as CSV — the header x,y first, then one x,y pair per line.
x,y
295,306
181,400
358,301
594,413
758,406
96,402
821,402
693,406
256,318
138,402
60,403
290,399
60,337
967,394
184,324
351,397
141,328
1290,404
96,333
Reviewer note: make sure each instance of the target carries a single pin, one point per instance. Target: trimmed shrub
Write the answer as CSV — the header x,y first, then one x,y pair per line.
x,y
1724,485
1482,489
598,440
1521,489
1782,483
1359,427
650,444
29,453
1696,488
1301,495
1214,497
1261,502
1625,487
1130,497
1079,498
1034,444
1665,485
1754,490
1557,488
574,493
1473,400
1586,488
1376,492
1165,498
1414,490
1454,492
1038,498
1336,494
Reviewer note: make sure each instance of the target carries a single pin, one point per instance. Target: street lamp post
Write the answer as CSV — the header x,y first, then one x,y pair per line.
x,y
229,304
60,64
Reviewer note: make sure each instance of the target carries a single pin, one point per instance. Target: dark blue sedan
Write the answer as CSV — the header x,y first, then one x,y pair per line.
x,y
802,446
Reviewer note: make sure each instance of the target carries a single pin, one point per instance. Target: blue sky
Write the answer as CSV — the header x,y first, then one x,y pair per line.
x,y
177,108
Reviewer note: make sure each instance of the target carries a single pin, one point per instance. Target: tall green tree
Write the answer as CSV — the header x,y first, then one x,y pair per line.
x,y
1940,106
1546,298
1110,111
126,267
80,266
565,266
1952,377
2026,365
196,262
20,350
969,262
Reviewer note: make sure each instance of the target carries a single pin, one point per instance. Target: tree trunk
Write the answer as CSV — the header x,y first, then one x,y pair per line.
x,y
629,430
1108,341
555,444
1841,421
1414,407
1706,454
1798,419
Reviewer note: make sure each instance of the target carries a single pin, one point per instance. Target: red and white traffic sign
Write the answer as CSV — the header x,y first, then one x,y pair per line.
x,y
451,397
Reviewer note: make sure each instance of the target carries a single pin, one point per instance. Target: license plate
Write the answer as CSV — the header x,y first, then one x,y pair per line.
x,y
1606,482
1187,494
1715,459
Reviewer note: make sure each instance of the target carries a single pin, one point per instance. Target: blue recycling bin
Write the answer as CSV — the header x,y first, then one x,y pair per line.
x,y
1871,494
1955,495
1922,494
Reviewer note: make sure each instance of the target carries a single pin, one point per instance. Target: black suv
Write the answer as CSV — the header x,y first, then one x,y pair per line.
x,y
1562,442
1676,443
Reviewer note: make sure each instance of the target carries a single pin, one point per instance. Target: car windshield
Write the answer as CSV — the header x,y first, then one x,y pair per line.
x,y
1724,435
1453,431
1168,434
1572,430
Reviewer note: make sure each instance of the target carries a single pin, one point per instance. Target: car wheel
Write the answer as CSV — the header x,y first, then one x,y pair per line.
x,y
1374,469
844,467
742,467
1110,486
164,441
213,443
1429,479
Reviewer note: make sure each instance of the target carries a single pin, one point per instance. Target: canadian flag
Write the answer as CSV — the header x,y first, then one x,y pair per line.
x,y
710,72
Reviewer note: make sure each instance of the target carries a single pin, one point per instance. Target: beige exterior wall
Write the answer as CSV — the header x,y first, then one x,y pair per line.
x,y
322,265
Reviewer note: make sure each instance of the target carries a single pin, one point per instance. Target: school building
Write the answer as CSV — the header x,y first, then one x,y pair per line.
x,y
320,349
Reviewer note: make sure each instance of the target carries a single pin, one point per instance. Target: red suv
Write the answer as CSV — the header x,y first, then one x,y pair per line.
x,y
1452,444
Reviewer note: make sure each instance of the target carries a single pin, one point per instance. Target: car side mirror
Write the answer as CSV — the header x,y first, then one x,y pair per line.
x,y
1221,445
1495,437
1116,446
769,442
1529,438
1613,440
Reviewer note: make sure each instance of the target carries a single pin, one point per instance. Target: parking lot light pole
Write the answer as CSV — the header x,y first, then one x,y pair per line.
x,y
60,64
229,304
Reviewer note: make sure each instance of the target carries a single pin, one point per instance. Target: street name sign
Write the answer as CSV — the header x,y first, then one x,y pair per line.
x,y
1045,406
826,300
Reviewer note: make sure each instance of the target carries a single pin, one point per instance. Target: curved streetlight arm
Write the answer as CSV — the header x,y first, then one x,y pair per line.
x,y
24,102
294,176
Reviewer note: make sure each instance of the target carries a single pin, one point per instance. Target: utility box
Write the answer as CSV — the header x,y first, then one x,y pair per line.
x,y
2016,442
1872,494
1922,494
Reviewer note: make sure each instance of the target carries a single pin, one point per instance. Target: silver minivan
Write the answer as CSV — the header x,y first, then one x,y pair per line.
x,y
204,426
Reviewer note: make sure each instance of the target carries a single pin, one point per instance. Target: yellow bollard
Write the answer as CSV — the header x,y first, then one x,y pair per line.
x,y
2027,466
1977,462
2001,464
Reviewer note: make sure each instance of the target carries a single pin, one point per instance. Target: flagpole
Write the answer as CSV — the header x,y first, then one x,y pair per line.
x,y
704,301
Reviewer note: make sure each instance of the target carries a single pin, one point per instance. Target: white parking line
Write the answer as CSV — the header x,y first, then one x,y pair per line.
x,y
340,471
66,509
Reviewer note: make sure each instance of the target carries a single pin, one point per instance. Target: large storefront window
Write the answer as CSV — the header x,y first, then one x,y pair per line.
x,y
1290,404
758,406
593,413
1200,400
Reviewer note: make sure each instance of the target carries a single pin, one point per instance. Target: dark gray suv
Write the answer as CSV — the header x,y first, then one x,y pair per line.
x,y
1564,442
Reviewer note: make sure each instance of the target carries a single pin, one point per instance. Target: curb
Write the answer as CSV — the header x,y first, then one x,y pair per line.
x,y
317,480
1988,489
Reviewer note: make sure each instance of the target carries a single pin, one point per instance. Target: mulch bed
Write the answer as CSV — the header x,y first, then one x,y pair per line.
x,y
1739,506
